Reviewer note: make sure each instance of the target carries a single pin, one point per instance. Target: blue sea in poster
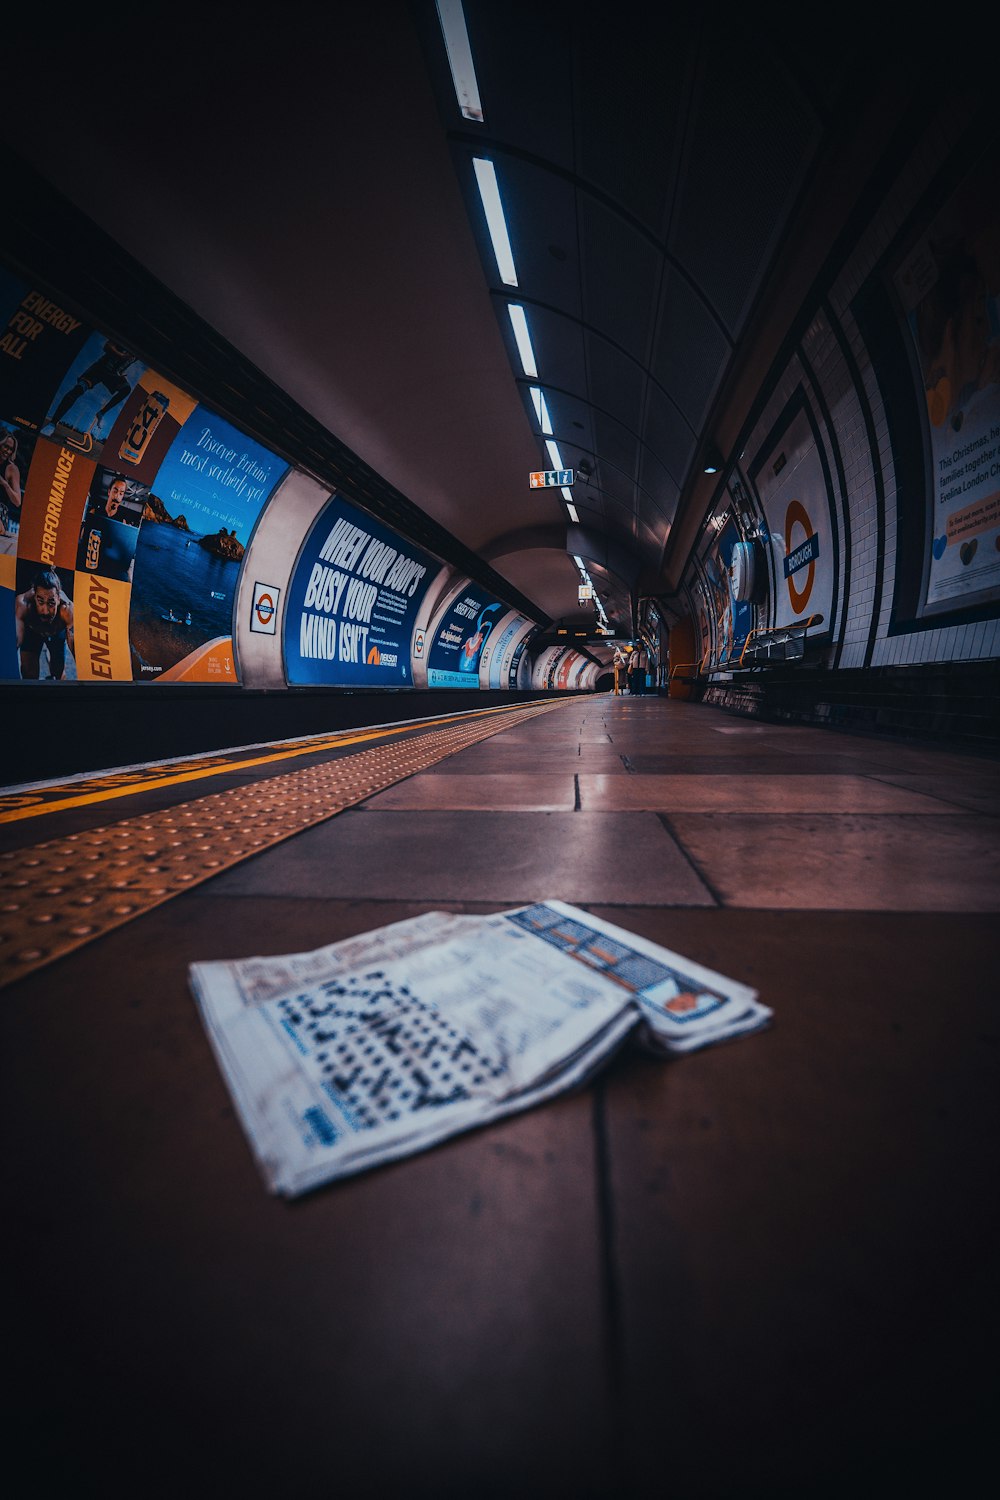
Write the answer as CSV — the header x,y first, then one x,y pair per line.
x,y
216,478
174,575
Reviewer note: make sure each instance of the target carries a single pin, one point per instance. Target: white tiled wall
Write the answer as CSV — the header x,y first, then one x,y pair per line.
x,y
859,527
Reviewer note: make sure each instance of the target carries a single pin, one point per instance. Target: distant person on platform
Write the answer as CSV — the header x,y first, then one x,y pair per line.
x,y
637,672
43,616
108,371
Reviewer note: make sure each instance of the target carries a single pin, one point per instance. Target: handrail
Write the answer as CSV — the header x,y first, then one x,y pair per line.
x,y
773,630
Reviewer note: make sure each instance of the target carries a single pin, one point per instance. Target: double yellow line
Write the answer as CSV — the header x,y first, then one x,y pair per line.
x,y
17,806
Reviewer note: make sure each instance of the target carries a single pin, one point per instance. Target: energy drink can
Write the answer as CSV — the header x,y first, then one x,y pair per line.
x,y
144,424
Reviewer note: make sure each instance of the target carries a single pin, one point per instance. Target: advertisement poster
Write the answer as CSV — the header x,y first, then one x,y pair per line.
x,y
453,660
44,623
792,482
948,286
568,668
519,671
352,603
198,516
39,341
733,619
43,549
103,581
543,670
146,426
16,450
504,647
83,410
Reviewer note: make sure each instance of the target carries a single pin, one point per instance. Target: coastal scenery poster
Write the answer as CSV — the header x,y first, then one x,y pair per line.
x,y
198,517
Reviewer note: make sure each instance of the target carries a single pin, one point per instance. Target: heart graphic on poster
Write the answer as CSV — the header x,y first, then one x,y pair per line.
x,y
940,543
967,551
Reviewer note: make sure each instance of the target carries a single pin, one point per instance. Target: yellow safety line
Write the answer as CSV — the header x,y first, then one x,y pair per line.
x,y
73,889
88,799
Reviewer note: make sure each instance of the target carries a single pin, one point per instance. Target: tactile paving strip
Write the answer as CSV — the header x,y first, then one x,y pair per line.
x,y
57,895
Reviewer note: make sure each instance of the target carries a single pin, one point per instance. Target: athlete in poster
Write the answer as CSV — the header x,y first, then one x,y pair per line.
x,y
10,484
108,370
43,617
108,533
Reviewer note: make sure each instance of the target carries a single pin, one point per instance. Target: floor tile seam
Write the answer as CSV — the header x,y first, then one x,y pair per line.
x,y
961,814
934,796
664,821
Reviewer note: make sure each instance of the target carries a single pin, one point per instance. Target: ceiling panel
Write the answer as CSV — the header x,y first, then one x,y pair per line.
x,y
621,276
751,137
540,209
520,51
691,352
667,433
617,457
615,382
657,488
629,102
557,342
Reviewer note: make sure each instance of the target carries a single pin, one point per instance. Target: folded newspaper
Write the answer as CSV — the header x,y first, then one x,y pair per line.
x,y
382,1045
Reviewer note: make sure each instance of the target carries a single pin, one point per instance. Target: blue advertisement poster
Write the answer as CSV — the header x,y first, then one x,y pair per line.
x,y
197,519
352,603
453,660
734,618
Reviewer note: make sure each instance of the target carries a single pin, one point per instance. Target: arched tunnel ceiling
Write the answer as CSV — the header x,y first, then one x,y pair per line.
x,y
306,186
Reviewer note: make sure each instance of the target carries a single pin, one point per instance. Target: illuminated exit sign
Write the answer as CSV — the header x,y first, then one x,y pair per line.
x,y
543,478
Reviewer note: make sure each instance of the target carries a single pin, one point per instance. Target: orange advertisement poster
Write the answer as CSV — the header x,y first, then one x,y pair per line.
x,y
101,608
54,500
211,662
146,426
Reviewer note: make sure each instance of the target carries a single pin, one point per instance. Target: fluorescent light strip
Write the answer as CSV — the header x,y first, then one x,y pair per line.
x,y
519,323
571,510
451,18
541,409
489,191
553,453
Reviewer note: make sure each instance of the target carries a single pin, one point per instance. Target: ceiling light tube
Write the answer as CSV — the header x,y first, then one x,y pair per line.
x,y
451,18
541,409
571,509
519,323
553,453
489,191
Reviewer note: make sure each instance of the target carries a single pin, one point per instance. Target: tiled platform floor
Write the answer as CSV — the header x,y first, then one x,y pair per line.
x,y
767,1269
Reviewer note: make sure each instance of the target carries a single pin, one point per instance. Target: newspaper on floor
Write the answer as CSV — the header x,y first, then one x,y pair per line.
x,y
379,1046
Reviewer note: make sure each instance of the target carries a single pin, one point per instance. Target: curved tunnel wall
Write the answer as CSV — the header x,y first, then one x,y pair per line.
x,y
146,538
857,529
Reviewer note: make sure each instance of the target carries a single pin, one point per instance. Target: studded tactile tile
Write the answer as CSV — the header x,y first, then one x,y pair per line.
x,y
59,894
